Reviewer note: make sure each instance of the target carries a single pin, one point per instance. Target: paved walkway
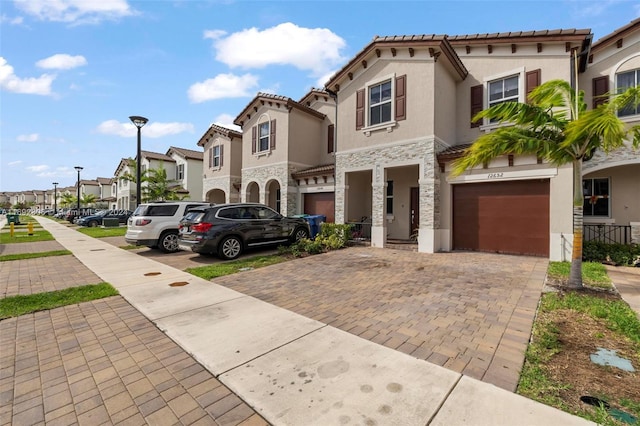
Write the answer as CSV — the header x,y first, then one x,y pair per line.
x,y
627,282
292,369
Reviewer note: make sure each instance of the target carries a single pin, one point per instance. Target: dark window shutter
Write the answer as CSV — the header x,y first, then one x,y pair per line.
x,y
272,136
532,80
401,97
476,103
254,130
600,88
359,109
211,157
330,136
221,156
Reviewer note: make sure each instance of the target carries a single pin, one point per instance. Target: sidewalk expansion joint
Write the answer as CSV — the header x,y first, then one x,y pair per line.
x,y
446,397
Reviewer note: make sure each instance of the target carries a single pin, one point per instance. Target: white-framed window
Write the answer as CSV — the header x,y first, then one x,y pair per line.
x,y
380,103
503,90
215,157
596,197
625,80
180,171
263,136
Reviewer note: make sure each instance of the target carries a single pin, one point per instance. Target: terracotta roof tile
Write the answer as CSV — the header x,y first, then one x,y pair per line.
x,y
314,171
187,153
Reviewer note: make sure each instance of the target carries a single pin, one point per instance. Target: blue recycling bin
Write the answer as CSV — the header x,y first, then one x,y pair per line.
x,y
314,221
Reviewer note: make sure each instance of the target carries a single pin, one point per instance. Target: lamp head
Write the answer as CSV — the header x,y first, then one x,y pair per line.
x,y
138,121
78,168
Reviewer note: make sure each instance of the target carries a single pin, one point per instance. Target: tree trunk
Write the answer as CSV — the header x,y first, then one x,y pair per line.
x,y
575,275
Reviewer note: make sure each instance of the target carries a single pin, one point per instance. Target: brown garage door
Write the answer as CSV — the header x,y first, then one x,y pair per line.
x,y
502,217
320,203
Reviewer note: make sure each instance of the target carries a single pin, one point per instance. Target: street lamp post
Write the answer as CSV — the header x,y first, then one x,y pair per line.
x,y
78,168
138,122
55,198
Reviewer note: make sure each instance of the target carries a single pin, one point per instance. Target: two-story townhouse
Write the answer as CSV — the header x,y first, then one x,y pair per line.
x,y
405,105
107,195
5,200
188,171
611,183
89,187
40,199
27,198
125,192
280,137
222,166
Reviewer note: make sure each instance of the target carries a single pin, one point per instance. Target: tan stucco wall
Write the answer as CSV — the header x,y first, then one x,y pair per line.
x,y
445,109
399,224
420,101
624,182
280,153
304,139
553,61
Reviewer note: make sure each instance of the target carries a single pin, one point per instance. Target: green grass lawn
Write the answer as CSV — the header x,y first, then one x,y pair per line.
x,y
98,232
24,237
593,274
19,305
227,268
20,256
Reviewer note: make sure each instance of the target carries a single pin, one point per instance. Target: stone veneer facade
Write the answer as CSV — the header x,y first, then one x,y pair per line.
x,y
600,160
421,152
223,183
263,176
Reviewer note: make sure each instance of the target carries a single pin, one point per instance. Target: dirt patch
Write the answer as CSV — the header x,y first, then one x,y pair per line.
x,y
580,336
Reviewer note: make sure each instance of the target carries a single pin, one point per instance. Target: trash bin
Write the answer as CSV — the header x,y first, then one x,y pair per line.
x,y
110,222
13,218
314,221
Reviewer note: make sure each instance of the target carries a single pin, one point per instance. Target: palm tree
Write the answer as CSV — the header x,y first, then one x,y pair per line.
x,y
159,188
88,199
556,125
67,199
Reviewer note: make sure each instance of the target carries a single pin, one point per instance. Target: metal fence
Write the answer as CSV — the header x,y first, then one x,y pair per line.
x,y
360,231
609,234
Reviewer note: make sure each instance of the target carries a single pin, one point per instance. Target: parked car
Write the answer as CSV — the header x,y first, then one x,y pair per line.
x,y
72,214
229,229
96,219
156,224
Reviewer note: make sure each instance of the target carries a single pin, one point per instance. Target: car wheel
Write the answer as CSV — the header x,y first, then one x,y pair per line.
x,y
93,224
299,234
230,248
169,242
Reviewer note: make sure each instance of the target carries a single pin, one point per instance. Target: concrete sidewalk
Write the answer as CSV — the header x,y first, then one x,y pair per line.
x,y
294,370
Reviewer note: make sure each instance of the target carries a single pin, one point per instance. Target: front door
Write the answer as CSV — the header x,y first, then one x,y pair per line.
x,y
414,211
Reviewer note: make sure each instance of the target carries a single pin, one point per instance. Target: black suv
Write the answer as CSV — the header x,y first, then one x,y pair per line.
x,y
96,219
228,229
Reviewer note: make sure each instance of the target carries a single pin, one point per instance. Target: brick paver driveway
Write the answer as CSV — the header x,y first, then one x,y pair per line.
x,y
469,312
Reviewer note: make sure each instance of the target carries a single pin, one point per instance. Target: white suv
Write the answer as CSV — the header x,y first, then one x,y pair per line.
x,y
156,224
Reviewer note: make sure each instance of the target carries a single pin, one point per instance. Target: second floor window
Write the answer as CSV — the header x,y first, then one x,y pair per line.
x,y
625,80
503,90
215,157
263,138
180,171
380,103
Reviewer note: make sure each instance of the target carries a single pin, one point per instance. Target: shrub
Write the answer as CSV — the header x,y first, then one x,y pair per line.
x,y
595,251
331,237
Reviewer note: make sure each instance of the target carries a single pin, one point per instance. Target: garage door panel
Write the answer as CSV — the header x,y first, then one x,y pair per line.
x,y
505,217
320,203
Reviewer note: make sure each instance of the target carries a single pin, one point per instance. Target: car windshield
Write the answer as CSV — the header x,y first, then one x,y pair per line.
x,y
102,213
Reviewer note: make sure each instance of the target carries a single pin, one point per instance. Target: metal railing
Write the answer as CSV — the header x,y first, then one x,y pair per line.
x,y
608,234
360,231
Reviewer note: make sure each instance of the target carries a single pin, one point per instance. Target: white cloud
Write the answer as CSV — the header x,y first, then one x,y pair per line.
x,y
226,120
14,163
39,168
75,11
33,137
151,130
214,34
314,49
223,86
33,86
62,61
13,21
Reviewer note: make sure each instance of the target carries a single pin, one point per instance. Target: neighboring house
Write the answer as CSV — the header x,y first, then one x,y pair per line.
x,y
281,138
404,111
89,187
126,190
108,191
27,198
611,184
222,166
188,172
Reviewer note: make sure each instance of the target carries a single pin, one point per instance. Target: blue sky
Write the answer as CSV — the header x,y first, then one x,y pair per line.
x,y
73,71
